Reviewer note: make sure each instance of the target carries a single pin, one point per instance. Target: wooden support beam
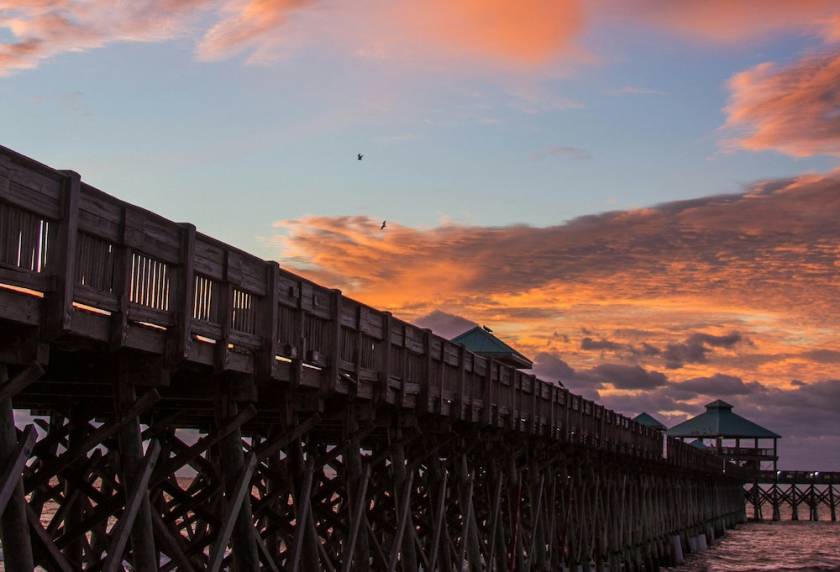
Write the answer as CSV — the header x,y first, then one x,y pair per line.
x,y
10,477
303,510
282,441
245,551
359,506
138,493
235,499
57,559
171,544
404,509
133,467
54,466
21,381
202,445
13,528
439,521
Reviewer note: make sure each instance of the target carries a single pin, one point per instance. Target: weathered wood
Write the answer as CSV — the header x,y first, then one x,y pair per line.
x,y
359,506
404,509
10,477
126,522
232,511
13,527
21,381
134,468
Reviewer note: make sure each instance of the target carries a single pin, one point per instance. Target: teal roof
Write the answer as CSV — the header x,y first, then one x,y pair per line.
x,y
719,421
649,421
481,342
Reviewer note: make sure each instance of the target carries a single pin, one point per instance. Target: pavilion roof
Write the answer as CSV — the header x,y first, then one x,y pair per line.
x,y
719,421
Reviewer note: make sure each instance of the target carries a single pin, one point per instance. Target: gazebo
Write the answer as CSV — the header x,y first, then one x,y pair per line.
x,y
736,439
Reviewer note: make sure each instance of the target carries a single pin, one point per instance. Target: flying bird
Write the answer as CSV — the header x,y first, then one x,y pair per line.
x,y
486,329
383,225
360,156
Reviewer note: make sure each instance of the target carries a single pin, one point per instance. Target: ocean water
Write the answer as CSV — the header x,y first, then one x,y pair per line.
x,y
778,546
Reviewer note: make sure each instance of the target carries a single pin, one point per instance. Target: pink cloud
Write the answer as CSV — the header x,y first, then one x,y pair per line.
x,y
728,21
793,109
45,28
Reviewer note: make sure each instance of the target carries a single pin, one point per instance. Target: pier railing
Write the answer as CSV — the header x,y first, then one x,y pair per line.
x,y
102,269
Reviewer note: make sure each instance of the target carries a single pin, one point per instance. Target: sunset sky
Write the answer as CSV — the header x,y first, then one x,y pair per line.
x,y
642,195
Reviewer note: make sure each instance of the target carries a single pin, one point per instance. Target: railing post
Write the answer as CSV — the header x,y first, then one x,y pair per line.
x,y
329,381
59,306
385,374
268,325
183,305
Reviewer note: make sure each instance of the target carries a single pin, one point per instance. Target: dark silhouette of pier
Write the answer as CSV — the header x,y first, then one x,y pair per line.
x,y
198,408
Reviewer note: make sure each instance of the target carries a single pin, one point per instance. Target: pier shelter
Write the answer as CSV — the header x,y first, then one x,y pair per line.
x,y
482,342
736,439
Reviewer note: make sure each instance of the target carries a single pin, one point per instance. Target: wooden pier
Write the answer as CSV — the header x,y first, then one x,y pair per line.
x,y
194,407
805,495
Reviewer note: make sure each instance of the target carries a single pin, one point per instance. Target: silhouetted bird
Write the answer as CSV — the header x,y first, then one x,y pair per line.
x,y
383,225
360,156
486,329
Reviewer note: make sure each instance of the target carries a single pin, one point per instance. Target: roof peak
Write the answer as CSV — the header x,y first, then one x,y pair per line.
x,y
719,404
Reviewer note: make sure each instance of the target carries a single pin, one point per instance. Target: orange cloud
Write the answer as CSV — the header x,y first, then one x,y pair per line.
x,y
791,109
732,21
248,24
740,285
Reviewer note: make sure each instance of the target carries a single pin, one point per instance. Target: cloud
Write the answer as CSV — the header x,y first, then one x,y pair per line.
x,y
717,385
248,24
725,21
634,90
696,348
793,109
444,324
562,151
41,29
700,275
622,376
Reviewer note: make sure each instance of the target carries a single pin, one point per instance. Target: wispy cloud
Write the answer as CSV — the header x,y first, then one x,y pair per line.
x,y
739,284
793,109
635,90
561,151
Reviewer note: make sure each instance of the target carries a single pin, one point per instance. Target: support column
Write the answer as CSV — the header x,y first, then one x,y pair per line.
x,y
353,461
243,539
408,554
131,463
14,530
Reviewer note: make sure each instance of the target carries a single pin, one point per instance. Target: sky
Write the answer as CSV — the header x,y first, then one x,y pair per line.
x,y
641,195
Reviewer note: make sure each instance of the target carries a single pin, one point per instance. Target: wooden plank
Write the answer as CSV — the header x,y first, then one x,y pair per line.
x,y
231,513
121,531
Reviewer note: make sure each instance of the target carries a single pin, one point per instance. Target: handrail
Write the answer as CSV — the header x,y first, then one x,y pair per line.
x,y
163,287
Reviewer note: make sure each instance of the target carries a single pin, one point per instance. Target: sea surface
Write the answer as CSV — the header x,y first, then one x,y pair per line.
x,y
779,546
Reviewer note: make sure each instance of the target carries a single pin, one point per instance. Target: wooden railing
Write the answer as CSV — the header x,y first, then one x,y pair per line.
x,y
118,274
